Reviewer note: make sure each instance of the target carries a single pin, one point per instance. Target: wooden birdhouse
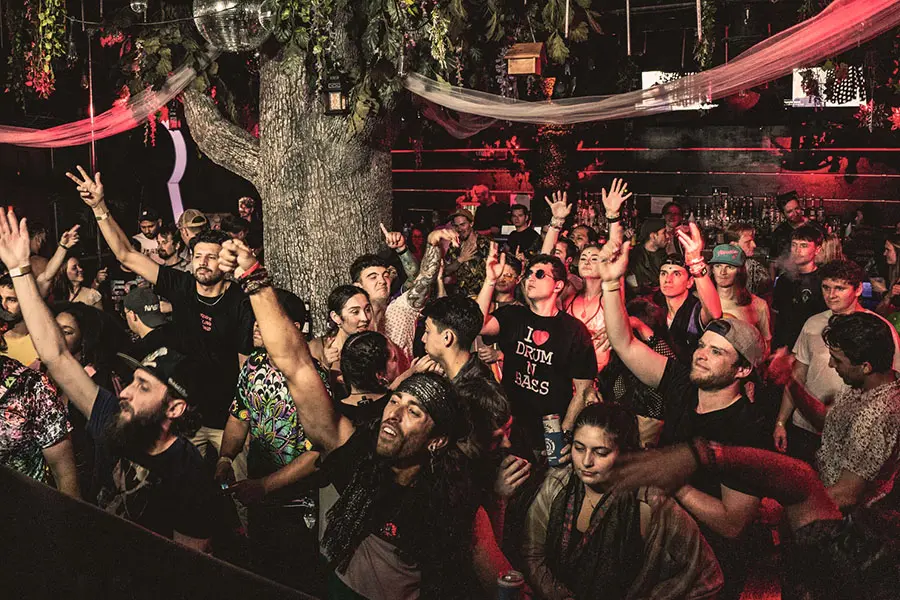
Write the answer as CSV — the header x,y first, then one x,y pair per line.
x,y
526,59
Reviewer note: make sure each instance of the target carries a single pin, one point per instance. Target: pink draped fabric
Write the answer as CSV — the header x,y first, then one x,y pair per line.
x,y
115,120
842,25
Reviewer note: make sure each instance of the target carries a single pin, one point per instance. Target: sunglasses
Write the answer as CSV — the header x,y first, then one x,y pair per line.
x,y
538,274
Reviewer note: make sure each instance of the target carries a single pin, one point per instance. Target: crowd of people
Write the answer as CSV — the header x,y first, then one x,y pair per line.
x,y
409,449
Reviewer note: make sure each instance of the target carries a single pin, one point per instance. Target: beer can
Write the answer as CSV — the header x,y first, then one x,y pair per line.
x,y
553,439
509,586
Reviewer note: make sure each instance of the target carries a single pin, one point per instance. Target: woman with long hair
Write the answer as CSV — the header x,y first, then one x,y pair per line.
x,y
729,274
349,312
585,540
369,363
586,305
70,286
890,300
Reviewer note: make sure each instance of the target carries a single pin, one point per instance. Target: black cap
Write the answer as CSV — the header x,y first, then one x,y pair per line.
x,y
148,214
145,303
170,367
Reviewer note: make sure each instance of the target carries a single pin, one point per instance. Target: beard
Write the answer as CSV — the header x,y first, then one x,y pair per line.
x,y
708,381
134,435
208,277
9,318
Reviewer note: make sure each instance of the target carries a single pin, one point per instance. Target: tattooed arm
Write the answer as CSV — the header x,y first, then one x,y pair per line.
x,y
431,261
410,266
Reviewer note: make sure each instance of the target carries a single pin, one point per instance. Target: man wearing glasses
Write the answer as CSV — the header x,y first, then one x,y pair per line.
x,y
547,352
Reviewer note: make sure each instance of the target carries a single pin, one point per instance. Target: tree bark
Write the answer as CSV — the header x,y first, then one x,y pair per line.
x,y
324,189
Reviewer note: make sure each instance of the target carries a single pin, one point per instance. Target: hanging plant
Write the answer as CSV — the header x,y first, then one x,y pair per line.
x,y
38,37
704,48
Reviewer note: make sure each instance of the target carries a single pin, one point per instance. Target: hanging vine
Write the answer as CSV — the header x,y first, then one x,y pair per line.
x,y
704,48
37,34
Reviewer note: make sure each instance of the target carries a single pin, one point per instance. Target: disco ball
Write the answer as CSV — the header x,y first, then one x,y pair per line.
x,y
231,25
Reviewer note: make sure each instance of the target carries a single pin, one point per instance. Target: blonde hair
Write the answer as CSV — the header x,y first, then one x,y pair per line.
x,y
832,250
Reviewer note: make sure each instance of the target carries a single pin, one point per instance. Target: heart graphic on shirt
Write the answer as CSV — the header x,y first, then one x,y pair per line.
x,y
540,337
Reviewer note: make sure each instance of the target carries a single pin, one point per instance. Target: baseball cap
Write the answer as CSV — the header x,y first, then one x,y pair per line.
x,y
462,213
726,254
148,214
145,303
743,336
169,366
651,225
674,259
192,218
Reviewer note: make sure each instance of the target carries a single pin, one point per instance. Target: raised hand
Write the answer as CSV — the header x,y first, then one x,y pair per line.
x,y
438,235
613,261
393,239
426,364
559,205
493,267
102,275
235,256
332,352
692,244
618,193
15,244
69,238
91,190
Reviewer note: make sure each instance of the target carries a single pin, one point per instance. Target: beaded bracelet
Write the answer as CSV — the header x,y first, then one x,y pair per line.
x,y
256,281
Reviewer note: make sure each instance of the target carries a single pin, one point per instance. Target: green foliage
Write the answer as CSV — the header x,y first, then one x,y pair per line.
x,y
37,33
704,48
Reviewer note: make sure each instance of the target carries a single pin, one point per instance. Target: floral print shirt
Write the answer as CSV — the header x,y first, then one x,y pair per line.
x,y
32,418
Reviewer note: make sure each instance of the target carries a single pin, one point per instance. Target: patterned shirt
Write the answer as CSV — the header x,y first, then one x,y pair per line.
x,y
470,274
862,435
32,419
262,398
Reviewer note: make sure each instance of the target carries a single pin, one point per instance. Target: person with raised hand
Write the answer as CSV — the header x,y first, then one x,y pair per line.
x,y
407,501
831,557
144,469
703,398
210,310
547,352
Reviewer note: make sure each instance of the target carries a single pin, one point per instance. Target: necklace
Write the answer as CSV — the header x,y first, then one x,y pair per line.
x,y
584,309
217,300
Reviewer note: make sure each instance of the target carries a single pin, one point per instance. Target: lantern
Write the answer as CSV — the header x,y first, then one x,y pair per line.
x,y
337,101
525,59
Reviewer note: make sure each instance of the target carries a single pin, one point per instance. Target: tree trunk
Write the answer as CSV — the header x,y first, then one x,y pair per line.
x,y
324,189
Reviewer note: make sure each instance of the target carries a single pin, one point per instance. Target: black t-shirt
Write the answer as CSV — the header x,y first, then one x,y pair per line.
x,y
490,215
542,355
213,331
162,336
795,299
366,411
168,492
740,424
522,240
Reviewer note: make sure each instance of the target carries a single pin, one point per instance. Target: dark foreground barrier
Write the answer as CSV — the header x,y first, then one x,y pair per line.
x,y
52,546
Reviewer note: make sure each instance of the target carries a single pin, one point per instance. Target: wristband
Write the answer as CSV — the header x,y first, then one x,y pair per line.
x,y
20,271
230,461
698,269
694,261
249,271
556,222
63,246
402,252
614,219
101,217
779,424
614,286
